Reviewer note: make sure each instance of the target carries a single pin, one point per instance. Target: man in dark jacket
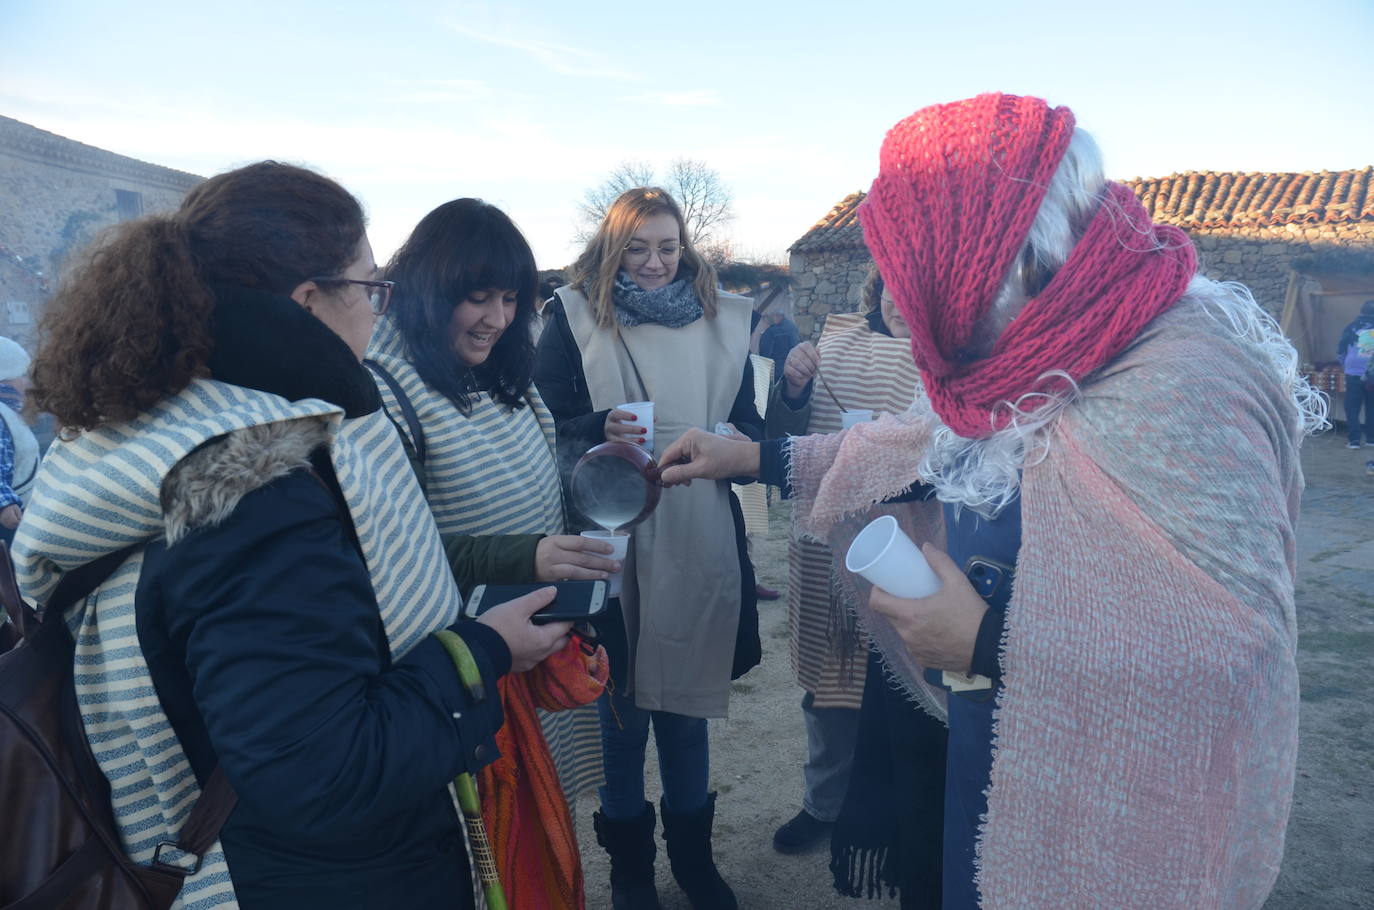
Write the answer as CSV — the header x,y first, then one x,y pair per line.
x,y
1354,353
774,333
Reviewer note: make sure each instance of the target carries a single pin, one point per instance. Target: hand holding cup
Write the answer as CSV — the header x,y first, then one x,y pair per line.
x,y
939,630
561,557
801,366
622,426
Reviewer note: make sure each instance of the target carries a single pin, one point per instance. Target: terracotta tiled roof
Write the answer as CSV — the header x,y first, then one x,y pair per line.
x,y
1225,198
1191,199
838,230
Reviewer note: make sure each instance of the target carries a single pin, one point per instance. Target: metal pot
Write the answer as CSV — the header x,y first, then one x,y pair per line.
x,y
623,464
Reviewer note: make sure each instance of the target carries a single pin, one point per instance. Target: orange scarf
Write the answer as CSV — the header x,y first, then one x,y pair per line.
x,y
526,814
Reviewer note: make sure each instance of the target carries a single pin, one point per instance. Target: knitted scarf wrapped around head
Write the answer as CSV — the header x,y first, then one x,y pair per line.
x,y
958,188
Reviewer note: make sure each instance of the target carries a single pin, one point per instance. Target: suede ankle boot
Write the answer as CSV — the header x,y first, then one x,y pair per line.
x,y
630,843
688,836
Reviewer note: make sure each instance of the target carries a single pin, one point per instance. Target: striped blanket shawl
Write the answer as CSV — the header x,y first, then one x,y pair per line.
x,y
99,493
864,369
1145,741
494,471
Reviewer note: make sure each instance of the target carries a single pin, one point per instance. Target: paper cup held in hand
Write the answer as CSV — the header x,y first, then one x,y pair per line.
x,y
644,417
855,416
885,556
620,540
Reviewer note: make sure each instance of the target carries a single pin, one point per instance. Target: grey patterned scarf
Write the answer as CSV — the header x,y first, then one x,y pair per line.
x,y
673,305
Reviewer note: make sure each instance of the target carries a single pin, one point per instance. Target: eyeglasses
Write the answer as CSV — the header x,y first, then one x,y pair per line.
x,y
639,252
378,292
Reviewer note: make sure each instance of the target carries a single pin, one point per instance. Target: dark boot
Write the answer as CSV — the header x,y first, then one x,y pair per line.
x,y
688,836
631,845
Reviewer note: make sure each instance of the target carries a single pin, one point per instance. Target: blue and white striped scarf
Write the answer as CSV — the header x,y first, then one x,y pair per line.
x,y
99,493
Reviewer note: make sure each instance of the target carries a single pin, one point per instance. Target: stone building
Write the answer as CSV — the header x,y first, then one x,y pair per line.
x,y
56,195
1303,243
827,267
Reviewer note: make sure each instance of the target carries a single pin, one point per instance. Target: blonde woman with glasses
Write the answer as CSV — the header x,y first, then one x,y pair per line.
x,y
642,320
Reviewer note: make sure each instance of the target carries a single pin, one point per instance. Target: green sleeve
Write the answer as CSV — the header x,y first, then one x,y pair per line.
x,y
491,559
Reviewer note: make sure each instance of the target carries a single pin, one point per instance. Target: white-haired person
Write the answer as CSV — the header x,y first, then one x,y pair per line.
x,y
1104,471
19,453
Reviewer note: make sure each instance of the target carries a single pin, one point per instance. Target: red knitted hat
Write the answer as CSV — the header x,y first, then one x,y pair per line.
x,y
958,188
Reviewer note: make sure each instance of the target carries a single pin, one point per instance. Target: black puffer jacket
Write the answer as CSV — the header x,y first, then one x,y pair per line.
x,y
264,642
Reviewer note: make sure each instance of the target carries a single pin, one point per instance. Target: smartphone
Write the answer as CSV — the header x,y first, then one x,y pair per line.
x,y
576,601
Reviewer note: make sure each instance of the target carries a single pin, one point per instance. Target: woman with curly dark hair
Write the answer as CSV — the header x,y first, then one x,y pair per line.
x,y
284,616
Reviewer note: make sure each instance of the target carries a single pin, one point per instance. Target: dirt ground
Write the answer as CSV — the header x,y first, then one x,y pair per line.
x,y
757,754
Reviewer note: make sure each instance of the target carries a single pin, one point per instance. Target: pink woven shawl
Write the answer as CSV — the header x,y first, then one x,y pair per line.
x,y
1146,737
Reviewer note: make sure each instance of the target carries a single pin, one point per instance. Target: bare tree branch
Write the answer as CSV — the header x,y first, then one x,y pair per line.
x,y
595,202
704,198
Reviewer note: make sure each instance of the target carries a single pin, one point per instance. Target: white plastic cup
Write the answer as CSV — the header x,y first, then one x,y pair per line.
x,y
644,417
856,416
620,540
885,556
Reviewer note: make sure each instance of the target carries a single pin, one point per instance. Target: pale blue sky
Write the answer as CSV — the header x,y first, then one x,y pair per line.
x,y
527,103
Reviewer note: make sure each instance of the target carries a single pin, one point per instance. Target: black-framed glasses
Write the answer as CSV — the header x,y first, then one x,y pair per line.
x,y
378,292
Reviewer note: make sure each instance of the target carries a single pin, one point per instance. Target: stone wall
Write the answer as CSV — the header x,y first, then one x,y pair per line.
x,y
22,291
56,196
1259,257
1262,257
50,210
826,282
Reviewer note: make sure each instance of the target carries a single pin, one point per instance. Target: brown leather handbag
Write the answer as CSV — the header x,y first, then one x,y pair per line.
x,y
62,848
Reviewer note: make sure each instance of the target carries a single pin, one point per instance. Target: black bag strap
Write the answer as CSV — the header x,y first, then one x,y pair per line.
x,y
201,828
416,436
75,585
23,616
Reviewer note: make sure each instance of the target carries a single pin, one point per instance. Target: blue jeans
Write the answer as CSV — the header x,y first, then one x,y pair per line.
x,y
830,737
684,763
1356,395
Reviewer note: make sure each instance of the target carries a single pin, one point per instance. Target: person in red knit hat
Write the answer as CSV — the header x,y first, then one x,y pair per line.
x,y
1103,471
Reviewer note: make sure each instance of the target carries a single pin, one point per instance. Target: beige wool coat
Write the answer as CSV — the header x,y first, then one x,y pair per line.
x,y
681,594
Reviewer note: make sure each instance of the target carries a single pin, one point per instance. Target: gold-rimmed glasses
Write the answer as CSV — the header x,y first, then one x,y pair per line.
x,y
637,252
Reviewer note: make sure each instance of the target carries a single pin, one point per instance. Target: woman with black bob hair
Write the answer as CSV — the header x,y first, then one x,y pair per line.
x,y
456,253
456,343
280,587
452,359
